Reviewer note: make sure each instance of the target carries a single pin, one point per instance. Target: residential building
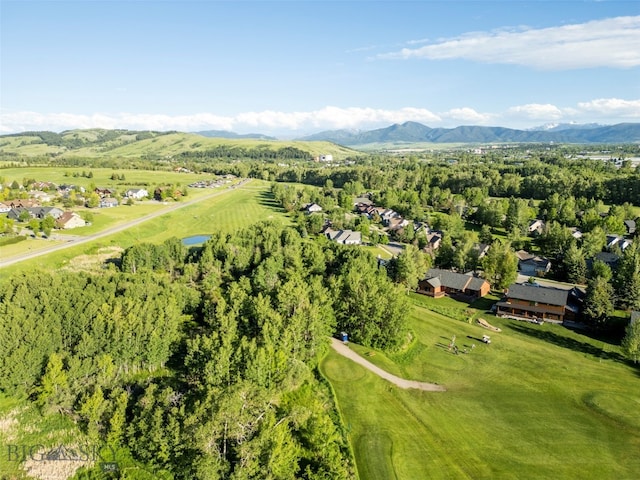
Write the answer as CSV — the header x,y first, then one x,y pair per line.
x,y
136,193
108,202
438,283
532,265
312,208
346,237
535,302
70,220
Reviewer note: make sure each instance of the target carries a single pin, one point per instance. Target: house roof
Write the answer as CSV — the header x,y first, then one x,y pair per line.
x,y
66,216
631,225
524,255
537,261
458,281
548,295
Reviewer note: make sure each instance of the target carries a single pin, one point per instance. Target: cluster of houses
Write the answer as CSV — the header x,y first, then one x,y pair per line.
x,y
523,301
32,208
212,183
15,210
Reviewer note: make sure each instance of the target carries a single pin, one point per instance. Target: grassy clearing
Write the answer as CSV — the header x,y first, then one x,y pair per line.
x,y
539,402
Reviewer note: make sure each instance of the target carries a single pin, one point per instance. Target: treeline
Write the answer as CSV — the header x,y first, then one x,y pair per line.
x,y
258,153
203,363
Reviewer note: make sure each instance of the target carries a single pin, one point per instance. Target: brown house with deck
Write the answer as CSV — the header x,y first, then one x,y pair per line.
x,y
438,283
534,302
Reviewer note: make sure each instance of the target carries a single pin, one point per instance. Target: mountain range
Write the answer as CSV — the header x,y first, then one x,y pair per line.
x,y
413,132
227,134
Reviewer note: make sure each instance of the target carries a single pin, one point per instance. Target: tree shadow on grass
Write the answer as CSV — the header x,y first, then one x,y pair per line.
x,y
566,342
612,336
483,303
266,199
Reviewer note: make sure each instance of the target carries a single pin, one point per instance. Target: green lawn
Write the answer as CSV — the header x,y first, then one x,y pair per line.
x,y
102,177
538,402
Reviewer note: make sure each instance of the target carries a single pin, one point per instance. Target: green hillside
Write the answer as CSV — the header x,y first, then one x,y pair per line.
x,y
98,143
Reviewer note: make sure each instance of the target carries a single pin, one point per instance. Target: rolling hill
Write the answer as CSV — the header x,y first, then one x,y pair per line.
x,y
99,143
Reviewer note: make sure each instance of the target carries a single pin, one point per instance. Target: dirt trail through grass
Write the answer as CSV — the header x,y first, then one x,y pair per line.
x,y
345,351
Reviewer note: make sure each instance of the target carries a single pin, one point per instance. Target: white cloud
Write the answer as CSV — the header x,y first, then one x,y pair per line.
x,y
612,42
468,115
536,111
612,107
271,121
604,110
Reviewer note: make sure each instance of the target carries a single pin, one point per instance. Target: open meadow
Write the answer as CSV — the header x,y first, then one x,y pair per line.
x,y
540,401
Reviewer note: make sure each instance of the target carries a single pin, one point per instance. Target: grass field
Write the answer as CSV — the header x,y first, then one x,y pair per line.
x,y
227,212
102,177
539,402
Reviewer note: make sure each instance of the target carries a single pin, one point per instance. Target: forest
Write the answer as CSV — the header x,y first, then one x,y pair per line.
x,y
201,363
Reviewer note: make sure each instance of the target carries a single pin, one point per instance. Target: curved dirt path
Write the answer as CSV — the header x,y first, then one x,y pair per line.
x,y
345,351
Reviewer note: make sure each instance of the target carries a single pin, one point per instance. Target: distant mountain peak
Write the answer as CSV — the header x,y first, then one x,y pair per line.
x,y
414,132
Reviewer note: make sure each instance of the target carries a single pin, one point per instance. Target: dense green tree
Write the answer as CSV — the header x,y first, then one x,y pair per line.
x,y
575,265
598,303
631,341
500,265
626,280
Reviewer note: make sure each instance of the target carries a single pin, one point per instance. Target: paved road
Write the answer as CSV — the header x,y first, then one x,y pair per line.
x,y
345,351
78,240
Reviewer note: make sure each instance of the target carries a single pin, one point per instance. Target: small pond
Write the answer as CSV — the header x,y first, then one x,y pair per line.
x,y
195,240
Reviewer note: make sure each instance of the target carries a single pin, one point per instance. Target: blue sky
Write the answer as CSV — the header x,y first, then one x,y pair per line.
x,y
296,67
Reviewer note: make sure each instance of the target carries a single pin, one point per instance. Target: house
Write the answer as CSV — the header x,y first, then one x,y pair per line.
x,y
532,265
34,212
104,192
346,237
312,208
70,220
576,233
108,202
481,248
40,195
137,193
4,208
15,213
396,224
438,283
42,212
387,215
535,302
617,241
434,239
536,227
630,225
21,203
362,201
635,315
608,258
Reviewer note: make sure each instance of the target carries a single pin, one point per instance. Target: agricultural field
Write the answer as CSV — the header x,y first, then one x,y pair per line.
x,y
540,401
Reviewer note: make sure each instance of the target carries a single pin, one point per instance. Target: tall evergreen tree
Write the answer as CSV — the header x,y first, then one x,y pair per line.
x,y
598,303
